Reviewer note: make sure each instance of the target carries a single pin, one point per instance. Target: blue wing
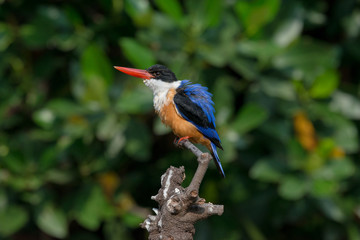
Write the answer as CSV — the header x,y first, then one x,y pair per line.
x,y
194,104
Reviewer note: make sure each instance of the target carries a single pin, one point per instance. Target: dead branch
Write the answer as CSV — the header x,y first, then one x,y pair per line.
x,y
179,208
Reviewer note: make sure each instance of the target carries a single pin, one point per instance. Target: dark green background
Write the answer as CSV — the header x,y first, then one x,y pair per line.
x,y
81,150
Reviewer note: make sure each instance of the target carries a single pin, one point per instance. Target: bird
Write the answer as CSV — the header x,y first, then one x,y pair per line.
x,y
185,107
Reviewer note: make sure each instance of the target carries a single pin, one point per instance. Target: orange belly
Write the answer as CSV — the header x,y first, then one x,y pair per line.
x,y
179,125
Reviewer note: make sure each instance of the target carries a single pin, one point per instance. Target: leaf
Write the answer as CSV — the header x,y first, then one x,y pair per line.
x,y
223,97
278,129
213,10
346,136
307,58
250,116
346,104
266,170
132,101
39,32
253,230
52,221
293,188
282,89
6,36
91,207
138,142
116,144
139,11
245,67
44,118
95,64
49,26
353,231
263,50
132,220
139,55
12,219
289,29
344,130
324,187
255,14
59,177
98,74
107,128
134,8
171,8
64,108
337,170
331,210
325,84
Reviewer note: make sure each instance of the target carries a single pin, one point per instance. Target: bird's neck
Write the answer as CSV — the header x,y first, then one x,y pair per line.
x,y
160,90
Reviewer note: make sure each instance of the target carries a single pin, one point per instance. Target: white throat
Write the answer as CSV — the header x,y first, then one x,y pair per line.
x,y
160,90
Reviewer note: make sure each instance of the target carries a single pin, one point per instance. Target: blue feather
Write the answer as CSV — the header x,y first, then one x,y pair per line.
x,y
201,97
217,159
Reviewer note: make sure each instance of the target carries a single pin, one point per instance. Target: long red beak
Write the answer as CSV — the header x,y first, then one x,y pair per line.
x,y
139,73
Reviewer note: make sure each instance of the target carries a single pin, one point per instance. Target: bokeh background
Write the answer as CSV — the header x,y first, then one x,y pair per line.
x,y
81,150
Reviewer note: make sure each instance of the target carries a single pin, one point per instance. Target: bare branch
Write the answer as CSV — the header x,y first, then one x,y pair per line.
x,y
180,208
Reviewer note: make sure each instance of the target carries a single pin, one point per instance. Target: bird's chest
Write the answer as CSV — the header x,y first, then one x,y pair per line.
x,y
160,100
164,106
170,117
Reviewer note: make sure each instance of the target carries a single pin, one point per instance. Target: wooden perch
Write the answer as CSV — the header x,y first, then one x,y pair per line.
x,y
180,208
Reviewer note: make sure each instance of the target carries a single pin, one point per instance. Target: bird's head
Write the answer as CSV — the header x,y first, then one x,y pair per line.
x,y
156,72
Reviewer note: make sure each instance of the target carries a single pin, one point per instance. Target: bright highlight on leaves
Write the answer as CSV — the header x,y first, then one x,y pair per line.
x,y
255,14
12,219
139,55
325,84
249,117
71,126
52,220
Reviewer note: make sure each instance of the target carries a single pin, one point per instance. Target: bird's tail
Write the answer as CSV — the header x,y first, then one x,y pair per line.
x,y
217,159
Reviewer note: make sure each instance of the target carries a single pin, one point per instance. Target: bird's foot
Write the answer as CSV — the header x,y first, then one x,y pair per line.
x,y
178,140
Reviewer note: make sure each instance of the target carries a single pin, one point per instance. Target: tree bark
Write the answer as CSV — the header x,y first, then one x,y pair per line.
x,y
179,208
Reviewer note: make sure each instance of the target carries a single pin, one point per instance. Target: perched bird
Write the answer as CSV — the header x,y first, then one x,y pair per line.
x,y
185,107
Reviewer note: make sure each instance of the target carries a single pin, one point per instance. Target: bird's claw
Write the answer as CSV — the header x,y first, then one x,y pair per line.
x,y
178,140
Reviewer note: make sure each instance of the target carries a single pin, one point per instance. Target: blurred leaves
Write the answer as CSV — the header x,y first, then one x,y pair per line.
x,y
250,117
53,221
6,36
138,141
293,187
81,150
254,15
92,207
95,64
266,171
346,104
140,56
172,8
98,75
12,219
324,85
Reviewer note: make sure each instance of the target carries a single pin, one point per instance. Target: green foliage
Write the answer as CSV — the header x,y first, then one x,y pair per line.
x,y
81,150
52,221
12,219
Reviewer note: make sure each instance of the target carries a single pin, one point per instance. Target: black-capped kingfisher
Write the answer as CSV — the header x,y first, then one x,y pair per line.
x,y
185,107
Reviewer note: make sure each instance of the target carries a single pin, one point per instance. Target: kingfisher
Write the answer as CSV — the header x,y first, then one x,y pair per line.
x,y
185,107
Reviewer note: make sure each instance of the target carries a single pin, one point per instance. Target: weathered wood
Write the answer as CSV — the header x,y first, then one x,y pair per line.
x,y
179,208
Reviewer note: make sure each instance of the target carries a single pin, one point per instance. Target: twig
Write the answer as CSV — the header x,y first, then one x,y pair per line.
x,y
180,208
